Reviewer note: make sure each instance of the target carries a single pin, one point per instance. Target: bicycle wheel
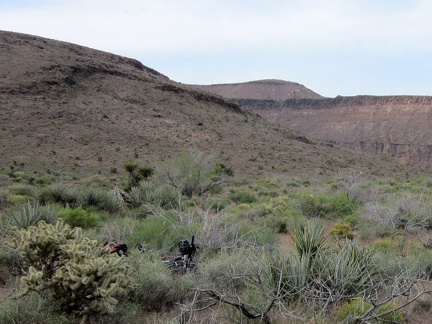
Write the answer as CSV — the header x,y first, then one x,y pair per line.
x,y
174,262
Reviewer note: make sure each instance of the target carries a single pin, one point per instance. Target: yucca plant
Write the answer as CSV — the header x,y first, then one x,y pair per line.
x,y
59,193
291,275
150,193
30,215
308,239
100,199
136,174
345,272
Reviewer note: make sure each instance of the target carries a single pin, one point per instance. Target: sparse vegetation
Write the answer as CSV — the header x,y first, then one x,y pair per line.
x,y
261,255
287,231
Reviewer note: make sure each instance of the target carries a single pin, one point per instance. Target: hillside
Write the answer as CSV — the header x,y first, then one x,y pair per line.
x,y
69,108
262,90
395,126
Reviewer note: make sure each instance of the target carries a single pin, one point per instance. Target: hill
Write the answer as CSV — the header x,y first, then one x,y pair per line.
x,y
262,90
69,108
395,126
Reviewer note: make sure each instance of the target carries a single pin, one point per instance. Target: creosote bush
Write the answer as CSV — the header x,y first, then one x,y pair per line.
x,y
327,206
83,278
193,173
78,217
358,307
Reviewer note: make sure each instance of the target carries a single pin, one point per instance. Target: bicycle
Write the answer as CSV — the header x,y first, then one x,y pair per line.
x,y
184,261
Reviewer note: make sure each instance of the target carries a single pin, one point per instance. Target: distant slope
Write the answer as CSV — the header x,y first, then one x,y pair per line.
x,y
397,126
65,107
262,90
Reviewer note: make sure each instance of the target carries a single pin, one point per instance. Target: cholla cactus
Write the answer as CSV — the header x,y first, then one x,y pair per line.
x,y
83,277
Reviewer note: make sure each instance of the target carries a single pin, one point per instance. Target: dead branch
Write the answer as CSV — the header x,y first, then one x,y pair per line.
x,y
241,306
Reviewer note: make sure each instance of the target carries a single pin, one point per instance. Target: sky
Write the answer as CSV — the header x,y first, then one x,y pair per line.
x,y
333,47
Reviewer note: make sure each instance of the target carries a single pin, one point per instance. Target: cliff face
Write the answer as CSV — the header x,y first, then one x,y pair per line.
x,y
398,126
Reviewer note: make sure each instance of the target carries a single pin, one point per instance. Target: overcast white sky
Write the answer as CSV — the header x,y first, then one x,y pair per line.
x,y
334,47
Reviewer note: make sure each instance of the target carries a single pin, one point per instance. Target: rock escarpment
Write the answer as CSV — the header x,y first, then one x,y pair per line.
x,y
398,126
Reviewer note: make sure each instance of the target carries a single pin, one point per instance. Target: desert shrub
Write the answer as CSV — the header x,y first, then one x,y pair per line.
x,y
29,215
162,233
194,173
60,194
245,211
385,246
283,222
22,190
18,199
399,212
292,273
11,263
78,217
150,193
280,203
264,192
83,278
223,269
242,197
341,231
221,231
358,307
318,272
327,206
99,198
138,212
119,229
44,180
153,286
33,308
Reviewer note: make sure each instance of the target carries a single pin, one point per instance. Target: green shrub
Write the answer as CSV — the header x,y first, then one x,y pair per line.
x,y
161,233
18,199
153,286
327,206
358,307
78,273
139,212
44,180
78,217
283,222
242,197
341,231
22,190
221,270
194,174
